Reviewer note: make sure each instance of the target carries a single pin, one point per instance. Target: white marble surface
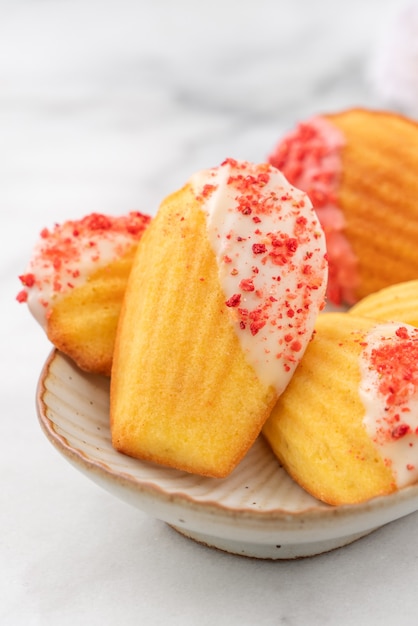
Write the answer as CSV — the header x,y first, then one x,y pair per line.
x,y
109,105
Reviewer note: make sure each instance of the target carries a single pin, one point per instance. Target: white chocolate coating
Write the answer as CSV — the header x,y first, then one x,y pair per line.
x,y
64,258
272,264
389,392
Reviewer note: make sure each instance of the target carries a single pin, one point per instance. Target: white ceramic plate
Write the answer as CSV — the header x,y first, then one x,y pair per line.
x,y
258,511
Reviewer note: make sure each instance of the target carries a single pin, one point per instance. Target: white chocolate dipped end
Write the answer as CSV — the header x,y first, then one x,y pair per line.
x,y
65,256
389,392
271,255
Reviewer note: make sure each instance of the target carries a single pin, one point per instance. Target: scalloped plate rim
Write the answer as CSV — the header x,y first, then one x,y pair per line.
x,y
299,525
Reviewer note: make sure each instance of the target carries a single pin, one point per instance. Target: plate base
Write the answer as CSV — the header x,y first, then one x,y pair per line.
x,y
271,552
258,511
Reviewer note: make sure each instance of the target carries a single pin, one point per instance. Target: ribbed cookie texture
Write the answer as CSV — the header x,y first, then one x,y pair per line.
x,y
83,322
182,391
398,302
316,428
378,195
